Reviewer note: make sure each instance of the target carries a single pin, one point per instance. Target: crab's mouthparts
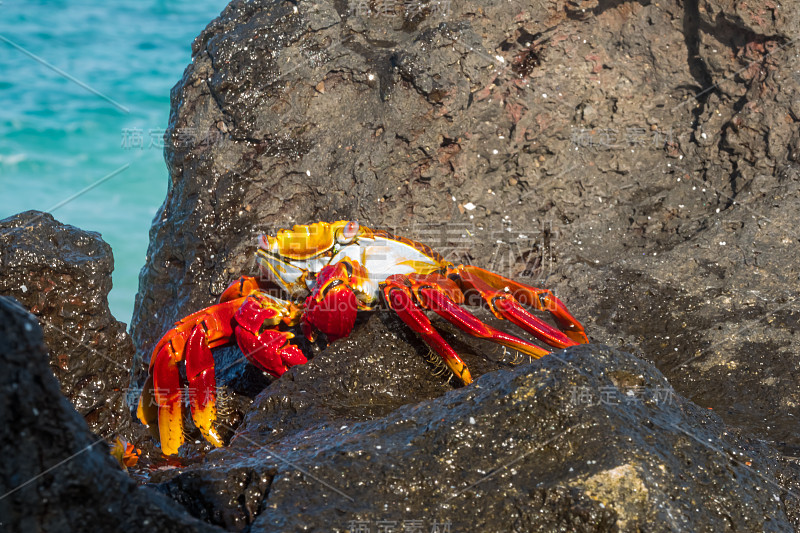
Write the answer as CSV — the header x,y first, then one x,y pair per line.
x,y
278,269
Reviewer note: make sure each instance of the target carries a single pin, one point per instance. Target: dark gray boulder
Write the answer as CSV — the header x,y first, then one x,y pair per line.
x,y
55,475
62,274
588,439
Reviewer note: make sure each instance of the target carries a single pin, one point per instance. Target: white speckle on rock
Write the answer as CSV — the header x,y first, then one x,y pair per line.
x,y
472,421
469,206
23,288
308,172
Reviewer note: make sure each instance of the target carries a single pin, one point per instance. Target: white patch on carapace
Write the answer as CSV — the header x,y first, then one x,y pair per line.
x,y
383,258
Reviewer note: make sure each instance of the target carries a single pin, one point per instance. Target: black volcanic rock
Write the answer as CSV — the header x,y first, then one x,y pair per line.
x,y
62,274
588,439
55,475
638,158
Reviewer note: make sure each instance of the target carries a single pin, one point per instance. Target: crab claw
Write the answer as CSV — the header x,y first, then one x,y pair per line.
x,y
265,347
182,366
333,305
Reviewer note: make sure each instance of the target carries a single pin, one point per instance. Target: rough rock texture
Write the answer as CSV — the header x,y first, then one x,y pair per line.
x,y
62,274
592,439
638,158
55,475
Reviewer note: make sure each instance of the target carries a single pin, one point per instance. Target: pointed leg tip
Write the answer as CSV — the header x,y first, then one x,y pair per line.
x,y
214,437
460,371
578,336
170,446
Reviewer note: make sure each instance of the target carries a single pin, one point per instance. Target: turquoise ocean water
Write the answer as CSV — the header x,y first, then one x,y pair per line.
x,y
58,137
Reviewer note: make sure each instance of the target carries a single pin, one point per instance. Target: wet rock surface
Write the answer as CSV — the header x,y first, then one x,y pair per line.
x,y
591,439
639,159
62,274
55,475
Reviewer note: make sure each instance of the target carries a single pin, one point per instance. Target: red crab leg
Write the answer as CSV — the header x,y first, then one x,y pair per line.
x,y
167,388
202,389
216,322
503,296
398,296
270,351
239,289
219,325
433,296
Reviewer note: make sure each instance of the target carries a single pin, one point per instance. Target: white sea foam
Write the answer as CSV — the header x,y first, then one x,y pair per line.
x,y
12,159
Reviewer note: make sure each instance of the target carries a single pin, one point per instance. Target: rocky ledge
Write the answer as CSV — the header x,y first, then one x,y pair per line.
x,y
588,439
62,274
55,475
366,437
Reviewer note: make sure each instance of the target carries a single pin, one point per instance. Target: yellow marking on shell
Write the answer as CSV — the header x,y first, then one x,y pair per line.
x,y
420,267
418,246
304,242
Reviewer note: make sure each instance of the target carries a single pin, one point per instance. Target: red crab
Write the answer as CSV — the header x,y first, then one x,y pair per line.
x,y
329,272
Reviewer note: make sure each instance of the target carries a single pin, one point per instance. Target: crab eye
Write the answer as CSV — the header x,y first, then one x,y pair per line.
x,y
348,233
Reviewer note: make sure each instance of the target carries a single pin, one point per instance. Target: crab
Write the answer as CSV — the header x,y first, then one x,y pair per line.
x,y
327,273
